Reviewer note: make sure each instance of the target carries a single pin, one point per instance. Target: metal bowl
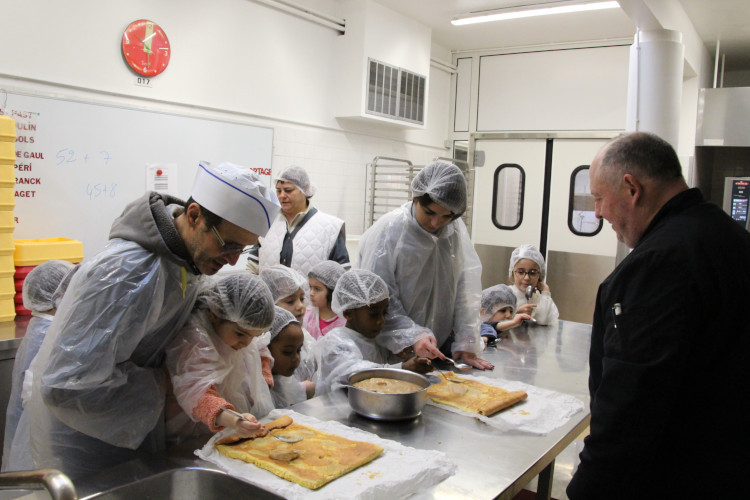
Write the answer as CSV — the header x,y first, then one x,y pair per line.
x,y
387,406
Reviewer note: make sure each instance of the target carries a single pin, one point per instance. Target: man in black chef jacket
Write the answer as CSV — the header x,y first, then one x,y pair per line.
x,y
669,380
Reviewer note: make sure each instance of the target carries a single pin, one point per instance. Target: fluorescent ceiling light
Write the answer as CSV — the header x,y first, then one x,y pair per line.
x,y
544,11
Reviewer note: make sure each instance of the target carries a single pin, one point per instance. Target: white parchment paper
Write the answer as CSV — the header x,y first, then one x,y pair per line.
x,y
542,412
400,471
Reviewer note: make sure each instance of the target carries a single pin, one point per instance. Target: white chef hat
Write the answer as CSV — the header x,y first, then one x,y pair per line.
x,y
236,194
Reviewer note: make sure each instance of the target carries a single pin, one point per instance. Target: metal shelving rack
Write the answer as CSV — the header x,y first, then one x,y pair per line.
x,y
389,186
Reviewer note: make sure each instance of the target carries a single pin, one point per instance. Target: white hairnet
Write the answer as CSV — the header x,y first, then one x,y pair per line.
x,y
281,318
198,360
528,252
63,286
241,298
496,298
40,284
445,183
298,176
358,288
282,281
327,272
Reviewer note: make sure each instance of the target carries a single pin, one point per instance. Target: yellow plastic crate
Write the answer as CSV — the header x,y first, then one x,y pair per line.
x,y
7,163
7,221
6,262
6,239
8,249
7,328
7,129
7,174
35,251
7,153
7,197
7,286
7,310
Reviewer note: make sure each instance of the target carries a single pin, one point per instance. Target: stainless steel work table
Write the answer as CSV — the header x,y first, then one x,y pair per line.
x,y
491,463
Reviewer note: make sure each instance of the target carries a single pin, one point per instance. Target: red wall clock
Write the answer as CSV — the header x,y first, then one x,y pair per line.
x,y
145,47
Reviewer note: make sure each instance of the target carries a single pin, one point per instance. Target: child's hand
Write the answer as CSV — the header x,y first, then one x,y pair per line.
x,y
309,388
266,364
519,318
247,427
406,353
427,347
418,365
542,286
526,309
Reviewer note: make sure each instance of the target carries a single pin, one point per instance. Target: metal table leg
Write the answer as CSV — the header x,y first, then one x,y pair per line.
x,y
544,482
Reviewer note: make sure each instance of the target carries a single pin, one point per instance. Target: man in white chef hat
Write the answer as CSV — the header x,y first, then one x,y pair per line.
x,y
99,386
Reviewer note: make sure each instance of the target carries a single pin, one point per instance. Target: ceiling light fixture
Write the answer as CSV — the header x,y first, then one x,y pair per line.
x,y
505,14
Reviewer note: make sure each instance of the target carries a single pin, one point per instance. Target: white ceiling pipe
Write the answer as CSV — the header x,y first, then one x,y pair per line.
x,y
335,23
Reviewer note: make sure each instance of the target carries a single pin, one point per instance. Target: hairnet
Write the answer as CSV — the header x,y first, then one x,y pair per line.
x,y
282,281
358,288
298,176
496,298
40,284
241,298
327,272
527,252
63,286
281,318
445,183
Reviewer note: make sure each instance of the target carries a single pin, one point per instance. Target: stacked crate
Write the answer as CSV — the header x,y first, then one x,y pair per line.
x,y
7,222
30,253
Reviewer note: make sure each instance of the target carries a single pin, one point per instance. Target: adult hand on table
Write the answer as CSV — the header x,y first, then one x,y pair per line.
x,y
426,347
472,359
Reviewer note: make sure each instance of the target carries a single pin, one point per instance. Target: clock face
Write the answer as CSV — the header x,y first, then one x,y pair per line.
x,y
145,47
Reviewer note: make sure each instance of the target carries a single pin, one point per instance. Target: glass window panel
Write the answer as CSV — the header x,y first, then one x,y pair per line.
x,y
508,196
581,214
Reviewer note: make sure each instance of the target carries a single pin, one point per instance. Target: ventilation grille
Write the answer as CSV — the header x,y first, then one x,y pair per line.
x,y
395,93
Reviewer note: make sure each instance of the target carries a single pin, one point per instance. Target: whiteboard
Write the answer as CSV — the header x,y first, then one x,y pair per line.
x,y
79,163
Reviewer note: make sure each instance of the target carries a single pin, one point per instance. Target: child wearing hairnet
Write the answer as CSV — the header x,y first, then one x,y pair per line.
x,y
526,272
42,291
320,318
424,253
285,346
498,312
362,298
288,288
214,363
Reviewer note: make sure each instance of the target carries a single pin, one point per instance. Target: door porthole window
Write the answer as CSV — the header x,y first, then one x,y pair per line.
x,y
582,219
507,196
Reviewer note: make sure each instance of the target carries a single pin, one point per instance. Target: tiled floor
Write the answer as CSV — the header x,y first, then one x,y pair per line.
x,y
565,465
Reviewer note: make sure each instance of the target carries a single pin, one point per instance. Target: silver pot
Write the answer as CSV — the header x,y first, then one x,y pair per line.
x,y
387,406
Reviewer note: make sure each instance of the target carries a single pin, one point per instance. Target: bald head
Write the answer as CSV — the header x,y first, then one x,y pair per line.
x,y
631,178
645,156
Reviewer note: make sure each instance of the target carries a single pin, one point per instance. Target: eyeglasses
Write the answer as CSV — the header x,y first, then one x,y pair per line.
x,y
226,249
533,273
